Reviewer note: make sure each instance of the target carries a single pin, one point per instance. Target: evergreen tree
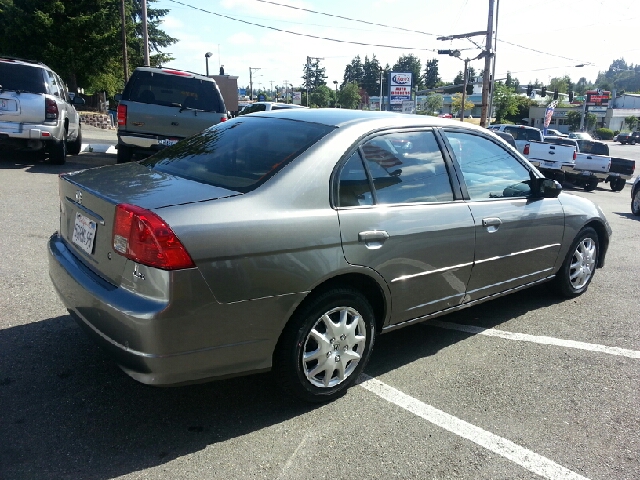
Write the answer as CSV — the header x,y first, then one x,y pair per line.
x,y
353,72
371,75
430,78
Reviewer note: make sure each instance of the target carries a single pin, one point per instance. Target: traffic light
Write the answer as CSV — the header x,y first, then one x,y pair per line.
x,y
570,97
529,90
555,94
543,92
469,89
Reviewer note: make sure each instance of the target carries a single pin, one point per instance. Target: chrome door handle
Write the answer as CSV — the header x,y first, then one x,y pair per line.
x,y
373,238
491,224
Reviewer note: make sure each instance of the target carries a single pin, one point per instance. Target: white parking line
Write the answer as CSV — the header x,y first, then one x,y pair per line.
x,y
525,458
523,337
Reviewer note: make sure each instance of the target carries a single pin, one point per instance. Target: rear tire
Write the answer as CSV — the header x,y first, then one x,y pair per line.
x,y
325,346
125,154
75,146
579,266
590,185
58,152
617,184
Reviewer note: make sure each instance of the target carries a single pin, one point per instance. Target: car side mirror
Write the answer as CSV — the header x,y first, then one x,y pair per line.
x,y
117,97
547,188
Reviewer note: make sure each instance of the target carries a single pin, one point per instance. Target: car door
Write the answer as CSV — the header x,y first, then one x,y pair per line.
x,y
399,216
518,235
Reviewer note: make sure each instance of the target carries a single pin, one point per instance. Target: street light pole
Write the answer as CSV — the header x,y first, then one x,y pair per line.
x,y
206,59
486,81
380,104
251,69
464,88
335,103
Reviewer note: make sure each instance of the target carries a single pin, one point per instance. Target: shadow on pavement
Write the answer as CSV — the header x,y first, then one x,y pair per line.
x,y
70,412
39,163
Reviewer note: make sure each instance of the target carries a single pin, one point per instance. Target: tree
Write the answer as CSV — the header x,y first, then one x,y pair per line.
x,y
80,40
456,103
322,96
631,122
505,101
573,119
349,96
561,84
313,75
433,103
353,72
430,77
371,75
410,63
590,120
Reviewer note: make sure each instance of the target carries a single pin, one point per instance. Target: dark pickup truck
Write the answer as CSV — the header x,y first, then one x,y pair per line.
x,y
593,164
628,138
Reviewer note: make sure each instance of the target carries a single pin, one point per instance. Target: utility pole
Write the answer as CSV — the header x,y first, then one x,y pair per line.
x,y
271,91
464,88
125,60
286,82
493,68
251,69
486,76
145,34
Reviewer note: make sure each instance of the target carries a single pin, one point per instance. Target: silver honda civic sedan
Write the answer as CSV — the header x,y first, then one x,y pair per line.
x,y
288,240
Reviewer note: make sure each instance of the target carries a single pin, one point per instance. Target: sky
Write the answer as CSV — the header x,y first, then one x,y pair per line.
x,y
539,39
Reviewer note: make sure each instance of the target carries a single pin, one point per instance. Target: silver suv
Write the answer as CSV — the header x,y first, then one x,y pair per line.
x,y
36,110
161,106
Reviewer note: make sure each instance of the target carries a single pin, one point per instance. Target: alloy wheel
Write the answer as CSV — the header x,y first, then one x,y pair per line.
x,y
583,263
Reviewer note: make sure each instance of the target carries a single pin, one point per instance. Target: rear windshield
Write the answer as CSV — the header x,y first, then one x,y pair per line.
x,y
594,148
240,154
560,141
528,134
173,90
14,76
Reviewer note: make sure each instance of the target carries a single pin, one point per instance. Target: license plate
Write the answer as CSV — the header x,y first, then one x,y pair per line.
x,y
549,164
7,105
586,174
167,142
84,233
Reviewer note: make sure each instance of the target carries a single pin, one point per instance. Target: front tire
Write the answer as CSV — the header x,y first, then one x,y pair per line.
x,y
325,346
579,266
635,202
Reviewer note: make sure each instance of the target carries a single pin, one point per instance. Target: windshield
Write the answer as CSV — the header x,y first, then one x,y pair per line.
x,y
240,154
14,76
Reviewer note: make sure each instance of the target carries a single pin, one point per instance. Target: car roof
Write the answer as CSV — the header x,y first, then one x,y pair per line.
x,y
338,117
174,71
22,61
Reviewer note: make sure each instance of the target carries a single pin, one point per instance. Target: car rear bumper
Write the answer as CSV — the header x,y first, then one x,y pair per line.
x,y
27,136
182,340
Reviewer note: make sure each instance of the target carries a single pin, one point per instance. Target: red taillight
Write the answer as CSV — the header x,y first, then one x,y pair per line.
x,y
223,119
122,114
526,149
144,237
575,155
50,109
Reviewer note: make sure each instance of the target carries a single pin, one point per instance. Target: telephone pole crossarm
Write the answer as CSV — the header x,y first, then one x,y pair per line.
x,y
463,35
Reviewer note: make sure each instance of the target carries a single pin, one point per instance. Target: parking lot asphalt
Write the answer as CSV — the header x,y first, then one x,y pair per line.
x,y
526,386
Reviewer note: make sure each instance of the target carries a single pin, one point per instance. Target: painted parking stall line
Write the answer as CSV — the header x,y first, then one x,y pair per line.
x,y
523,337
521,456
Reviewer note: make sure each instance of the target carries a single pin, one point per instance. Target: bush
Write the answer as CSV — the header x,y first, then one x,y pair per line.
x,y
604,133
616,132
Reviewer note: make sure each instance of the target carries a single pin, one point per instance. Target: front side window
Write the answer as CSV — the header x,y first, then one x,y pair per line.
x,y
407,168
489,170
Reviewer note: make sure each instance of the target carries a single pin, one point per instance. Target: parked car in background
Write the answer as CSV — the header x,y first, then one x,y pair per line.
x,y
522,134
267,107
37,113
161,106
551,155
580,136
507,137
628,138
635,197
289,240
551,132
594,164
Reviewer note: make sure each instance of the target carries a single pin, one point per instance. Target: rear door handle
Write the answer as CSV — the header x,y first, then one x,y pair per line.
x,y
491,224
373,239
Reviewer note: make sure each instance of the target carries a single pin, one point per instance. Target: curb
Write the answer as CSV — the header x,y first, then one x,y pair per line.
x,y
98,148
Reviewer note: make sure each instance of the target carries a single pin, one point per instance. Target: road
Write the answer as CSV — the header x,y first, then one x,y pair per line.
x,y
528,386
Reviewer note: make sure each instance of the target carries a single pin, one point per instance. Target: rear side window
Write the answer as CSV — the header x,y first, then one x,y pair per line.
x,y
173,90
594,148
240,154
528,134
17,77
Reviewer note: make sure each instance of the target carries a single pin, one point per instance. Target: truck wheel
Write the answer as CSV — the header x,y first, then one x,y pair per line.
x,y
635,203
124,154
75,146
617,184
579,265
590,185
58,152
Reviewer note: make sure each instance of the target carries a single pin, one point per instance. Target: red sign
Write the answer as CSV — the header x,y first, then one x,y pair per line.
x,y
598,97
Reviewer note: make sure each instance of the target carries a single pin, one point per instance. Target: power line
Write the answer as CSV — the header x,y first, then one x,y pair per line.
x,y
301,34
539,51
